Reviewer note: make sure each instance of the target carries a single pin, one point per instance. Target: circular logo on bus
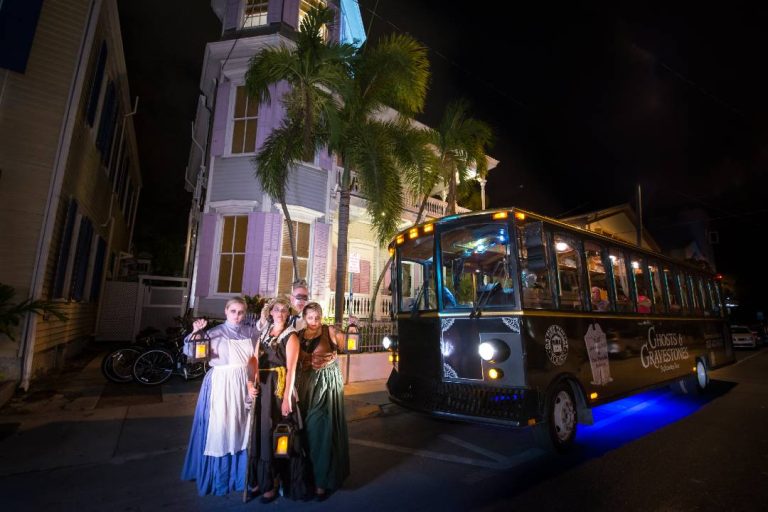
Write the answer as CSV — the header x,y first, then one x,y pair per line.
x,y
556,345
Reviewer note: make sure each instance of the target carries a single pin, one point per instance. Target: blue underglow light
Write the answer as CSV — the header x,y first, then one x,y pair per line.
x,y
623,421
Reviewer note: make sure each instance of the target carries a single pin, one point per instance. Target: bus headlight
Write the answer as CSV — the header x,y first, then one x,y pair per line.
x,y
389,342
493,350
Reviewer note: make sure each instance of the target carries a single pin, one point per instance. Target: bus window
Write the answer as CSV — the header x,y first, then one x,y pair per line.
x,y
685,298
673,292
642,288
475,260
657,290
695,294
598,279
706,300
534,273
568,271
717,303
620,281
417,287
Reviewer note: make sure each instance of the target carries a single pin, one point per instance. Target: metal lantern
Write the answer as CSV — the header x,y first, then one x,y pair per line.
x,y
352,337
200,344
282,438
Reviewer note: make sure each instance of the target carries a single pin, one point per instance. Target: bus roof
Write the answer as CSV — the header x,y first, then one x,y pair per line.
x,y
419,229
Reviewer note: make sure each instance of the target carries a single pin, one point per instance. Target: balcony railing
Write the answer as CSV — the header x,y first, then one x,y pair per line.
x,y
360,306
434,208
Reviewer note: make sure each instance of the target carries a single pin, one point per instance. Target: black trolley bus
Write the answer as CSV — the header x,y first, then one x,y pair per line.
x,y
512,318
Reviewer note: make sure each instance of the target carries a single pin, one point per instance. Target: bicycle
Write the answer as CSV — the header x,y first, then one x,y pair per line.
x,y
157,364
117,366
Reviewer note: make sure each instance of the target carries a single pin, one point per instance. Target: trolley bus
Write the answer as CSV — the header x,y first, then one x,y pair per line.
x,y
509,317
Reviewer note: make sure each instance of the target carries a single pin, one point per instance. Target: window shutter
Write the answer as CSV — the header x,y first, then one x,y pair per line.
x,y
98,77
320,259
365,276
253,253
82,253
64,245
205,237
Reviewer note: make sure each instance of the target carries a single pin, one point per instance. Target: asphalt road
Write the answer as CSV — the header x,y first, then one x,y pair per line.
x,y
657,451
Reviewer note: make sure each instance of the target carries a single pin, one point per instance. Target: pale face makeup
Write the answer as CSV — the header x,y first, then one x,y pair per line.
x,y
235,313
313,319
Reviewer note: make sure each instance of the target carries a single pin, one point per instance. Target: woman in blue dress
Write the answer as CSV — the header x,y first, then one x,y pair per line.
x,y
217,457
321,395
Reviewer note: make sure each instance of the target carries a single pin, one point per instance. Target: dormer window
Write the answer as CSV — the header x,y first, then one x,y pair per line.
x,y
304,8
255,13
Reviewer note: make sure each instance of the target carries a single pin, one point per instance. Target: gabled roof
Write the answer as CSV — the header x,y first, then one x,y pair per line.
x,y
618,221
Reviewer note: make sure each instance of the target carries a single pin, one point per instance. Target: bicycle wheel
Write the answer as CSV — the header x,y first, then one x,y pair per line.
x,y
117,366
153,367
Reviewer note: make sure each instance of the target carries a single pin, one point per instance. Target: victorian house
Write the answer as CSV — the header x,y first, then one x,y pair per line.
x,y
238,242
69,175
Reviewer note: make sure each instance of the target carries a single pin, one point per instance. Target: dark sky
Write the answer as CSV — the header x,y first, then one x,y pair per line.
x,y
586,101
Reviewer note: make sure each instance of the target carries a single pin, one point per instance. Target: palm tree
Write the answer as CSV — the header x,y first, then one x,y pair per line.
x,y
393,74
11,314
461,143
313,69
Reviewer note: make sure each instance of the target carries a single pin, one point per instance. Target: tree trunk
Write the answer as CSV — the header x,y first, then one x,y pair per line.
x,y
341,249
452,194
292,239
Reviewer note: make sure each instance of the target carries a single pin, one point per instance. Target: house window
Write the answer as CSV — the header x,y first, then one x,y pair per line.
x,y
255,14
304,8
301,231
244,120
232,254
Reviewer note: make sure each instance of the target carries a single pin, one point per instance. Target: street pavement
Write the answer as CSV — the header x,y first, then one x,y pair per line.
x,y
75,441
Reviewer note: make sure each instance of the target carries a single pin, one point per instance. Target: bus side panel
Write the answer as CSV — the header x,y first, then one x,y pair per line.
x,y
615,356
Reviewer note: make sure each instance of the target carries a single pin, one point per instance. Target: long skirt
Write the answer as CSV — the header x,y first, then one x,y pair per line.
x,y
321,396
213,475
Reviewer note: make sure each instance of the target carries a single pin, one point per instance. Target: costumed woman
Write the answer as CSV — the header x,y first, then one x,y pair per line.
x,y
321,395
278,357
216,456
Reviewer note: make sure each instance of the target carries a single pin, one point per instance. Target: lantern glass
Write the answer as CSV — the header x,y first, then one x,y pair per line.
x,y
201,347
353,339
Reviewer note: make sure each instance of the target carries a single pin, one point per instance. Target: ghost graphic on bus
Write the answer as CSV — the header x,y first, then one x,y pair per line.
x,y
597,349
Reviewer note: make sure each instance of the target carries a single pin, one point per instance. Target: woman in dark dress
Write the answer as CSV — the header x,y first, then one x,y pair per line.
x,y
321,395
278,356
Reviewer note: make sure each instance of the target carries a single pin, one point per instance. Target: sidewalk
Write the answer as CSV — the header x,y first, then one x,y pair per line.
x,y
78,418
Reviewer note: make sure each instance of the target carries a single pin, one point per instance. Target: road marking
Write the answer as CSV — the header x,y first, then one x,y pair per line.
x,y
472,447
501,463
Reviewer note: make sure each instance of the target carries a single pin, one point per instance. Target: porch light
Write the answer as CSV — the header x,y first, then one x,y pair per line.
x,y
413,233
201,345
561,246
499,215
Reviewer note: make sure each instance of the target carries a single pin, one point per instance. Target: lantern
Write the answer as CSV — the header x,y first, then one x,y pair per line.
x,y
352,337
200,345
282,438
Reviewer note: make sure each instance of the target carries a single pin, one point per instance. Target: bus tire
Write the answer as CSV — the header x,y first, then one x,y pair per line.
x,y
560,419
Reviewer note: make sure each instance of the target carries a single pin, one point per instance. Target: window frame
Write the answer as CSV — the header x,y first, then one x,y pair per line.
x,y
217,253
230,131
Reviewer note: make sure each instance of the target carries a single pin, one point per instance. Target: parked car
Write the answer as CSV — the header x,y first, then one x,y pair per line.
x,y
743,336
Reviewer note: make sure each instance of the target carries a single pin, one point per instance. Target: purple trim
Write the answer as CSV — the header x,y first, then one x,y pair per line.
x,y
254,251
274,10
232,15
270,261
291,13
326,159
271,114
220,119
205,254
320,258
335,27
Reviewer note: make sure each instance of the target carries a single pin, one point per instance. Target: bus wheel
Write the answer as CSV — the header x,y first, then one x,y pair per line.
x,y
702,375
560,424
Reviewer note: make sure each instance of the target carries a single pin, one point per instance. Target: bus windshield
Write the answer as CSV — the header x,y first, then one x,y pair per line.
x,y
476,267
417,284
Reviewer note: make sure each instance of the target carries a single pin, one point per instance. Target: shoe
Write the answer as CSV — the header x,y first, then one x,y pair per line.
x,y
254,492
268,499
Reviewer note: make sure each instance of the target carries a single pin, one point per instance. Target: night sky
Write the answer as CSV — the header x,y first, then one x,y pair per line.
x,y
586,103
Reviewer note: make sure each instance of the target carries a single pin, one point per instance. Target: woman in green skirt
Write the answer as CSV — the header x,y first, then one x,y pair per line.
x,y
321,397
